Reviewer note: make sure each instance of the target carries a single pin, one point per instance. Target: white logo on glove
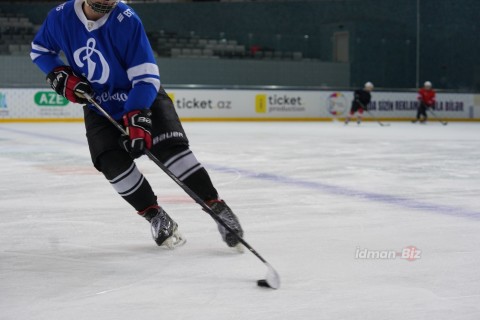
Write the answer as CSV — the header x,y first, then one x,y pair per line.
x,y
90,51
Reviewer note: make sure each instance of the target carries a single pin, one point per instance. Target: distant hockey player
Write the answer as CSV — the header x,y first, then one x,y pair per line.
x,y
362,98
110,58
426,99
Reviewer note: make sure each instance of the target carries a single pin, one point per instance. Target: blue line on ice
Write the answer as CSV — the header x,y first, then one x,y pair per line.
x,y
318,186
349,192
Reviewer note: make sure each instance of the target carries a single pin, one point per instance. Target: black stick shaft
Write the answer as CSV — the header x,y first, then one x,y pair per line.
x,y
371,114
437,117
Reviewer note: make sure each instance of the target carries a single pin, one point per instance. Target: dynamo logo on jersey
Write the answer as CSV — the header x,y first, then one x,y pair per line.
x,y
94,60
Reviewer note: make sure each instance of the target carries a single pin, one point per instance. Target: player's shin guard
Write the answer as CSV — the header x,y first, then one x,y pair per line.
x,y
359,116
120,170
185,166
134,188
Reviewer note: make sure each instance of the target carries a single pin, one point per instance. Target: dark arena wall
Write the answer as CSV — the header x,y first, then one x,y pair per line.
x,y
298,37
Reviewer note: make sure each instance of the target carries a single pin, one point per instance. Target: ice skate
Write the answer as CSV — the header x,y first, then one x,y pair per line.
x,y
220,208
359,120
164,229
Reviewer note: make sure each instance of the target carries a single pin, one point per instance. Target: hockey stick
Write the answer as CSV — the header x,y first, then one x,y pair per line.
x,y
437,117
272,277
374,117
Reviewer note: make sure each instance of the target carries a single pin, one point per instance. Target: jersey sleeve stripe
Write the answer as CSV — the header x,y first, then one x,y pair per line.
x,y
143,69
154,81
37,47
143,76
34,55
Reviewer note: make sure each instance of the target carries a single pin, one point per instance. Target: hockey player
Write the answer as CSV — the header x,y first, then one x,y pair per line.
x,y
426,99
110,58
362,98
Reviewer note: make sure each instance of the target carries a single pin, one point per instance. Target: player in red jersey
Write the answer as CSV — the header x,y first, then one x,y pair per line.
x,y
426,98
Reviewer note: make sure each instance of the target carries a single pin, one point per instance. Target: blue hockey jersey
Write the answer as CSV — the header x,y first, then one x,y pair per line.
x,y
113,53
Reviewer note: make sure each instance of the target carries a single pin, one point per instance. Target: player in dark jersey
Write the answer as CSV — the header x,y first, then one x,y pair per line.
x,y
362,98
426,99
109,57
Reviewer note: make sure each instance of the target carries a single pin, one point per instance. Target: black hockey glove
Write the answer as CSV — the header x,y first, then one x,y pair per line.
x,y
67,84
139,126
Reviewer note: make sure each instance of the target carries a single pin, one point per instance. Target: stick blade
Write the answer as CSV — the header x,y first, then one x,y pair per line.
x,y
272,278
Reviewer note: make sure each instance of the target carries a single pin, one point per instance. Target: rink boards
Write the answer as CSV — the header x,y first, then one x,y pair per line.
x,y
39,105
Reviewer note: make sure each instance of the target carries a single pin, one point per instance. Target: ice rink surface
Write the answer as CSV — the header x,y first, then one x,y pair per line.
x,y
314,200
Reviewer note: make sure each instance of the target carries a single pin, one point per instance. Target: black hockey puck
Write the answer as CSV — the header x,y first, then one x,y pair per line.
x,y
263,283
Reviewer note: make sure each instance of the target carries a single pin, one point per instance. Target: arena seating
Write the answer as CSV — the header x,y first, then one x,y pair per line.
x,y
17,32
169,44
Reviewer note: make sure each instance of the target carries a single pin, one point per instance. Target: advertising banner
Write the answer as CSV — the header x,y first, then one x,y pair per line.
x,y
245,104
36,104
254,105
403,105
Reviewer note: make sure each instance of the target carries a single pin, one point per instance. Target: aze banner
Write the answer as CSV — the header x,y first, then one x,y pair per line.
x,y
36,104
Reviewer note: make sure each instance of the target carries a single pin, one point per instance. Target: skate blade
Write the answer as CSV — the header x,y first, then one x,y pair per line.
x,y
176,240
240,248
